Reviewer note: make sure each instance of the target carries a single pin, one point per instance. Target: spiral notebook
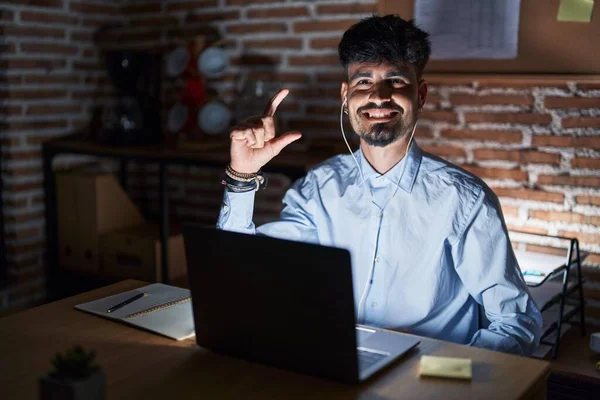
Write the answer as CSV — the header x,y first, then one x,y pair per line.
x,y
166,310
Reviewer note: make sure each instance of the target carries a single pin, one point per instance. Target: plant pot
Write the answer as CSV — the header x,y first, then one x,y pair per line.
x,y
90,388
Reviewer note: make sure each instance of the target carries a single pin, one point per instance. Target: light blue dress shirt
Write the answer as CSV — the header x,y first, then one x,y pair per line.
x,y
428,245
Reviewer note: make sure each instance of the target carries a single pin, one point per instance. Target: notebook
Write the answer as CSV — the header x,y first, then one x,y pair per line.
x,y
166,310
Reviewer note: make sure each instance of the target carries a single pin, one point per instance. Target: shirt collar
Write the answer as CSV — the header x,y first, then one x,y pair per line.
x,y
404,173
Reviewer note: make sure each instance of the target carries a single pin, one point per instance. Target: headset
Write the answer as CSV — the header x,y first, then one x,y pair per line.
x,y
342,110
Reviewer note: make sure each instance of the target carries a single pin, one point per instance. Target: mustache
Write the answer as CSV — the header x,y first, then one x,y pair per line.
x,y
388,105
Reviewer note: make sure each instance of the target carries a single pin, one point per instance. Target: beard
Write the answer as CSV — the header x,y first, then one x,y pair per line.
x,y
382,134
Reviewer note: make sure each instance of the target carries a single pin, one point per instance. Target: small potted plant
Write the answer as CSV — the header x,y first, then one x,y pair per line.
x,y
75,377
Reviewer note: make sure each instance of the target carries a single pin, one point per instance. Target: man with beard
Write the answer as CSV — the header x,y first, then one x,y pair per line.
x,y
428,241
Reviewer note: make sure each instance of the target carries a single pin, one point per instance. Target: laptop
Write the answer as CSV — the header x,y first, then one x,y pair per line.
x,y
283,303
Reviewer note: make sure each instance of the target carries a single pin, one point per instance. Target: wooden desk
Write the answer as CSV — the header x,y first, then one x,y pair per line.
x,y
140,365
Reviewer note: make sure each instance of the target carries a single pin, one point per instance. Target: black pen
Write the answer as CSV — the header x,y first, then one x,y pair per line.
x,y
130,300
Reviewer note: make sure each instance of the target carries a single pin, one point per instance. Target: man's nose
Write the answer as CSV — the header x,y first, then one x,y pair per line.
x,y
381,92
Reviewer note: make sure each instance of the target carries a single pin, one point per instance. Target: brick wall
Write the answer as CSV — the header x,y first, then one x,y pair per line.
x,y
535,140
49,70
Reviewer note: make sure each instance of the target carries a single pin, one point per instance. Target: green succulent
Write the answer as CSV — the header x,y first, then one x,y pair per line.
x,y
74,364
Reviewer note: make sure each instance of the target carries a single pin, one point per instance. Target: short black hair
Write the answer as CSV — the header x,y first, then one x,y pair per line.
x,y
385,39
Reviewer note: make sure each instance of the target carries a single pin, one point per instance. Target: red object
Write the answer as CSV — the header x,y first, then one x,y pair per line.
x,y
194,91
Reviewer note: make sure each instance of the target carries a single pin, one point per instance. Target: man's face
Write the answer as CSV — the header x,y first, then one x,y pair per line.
x,y
383,101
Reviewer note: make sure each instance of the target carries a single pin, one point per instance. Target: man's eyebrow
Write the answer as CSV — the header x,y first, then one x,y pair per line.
x,y
357,75
392,74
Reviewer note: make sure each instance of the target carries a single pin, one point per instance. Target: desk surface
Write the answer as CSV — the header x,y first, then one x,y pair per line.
x,y
138,363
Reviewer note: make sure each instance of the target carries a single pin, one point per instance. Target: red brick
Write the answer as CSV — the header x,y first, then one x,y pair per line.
x,y
491,99
588,86
249,2
445,151
52,109
314,124
433,99
129,36
32,94
33,125
32,63
90,8
213,16
322,110
15,203
25,155
277,12
546,250
510,211
511,136
51,79
528,194
317,92
23,171
423,131
568,217
39,3
28,31
48,48
314,60
35,216
592,142
6,15
588,200
88,66
497,173
162,21
325,43
135,9
82,36
324,25
33,139
8,48
30,16
89,53
190,5
572,102
526,229
439,116
581,122
520,156
257,59
508,118
16,277
352,8
273,44
281,77
522,82
584,237
256,28
19,293
11,110
589,163
564,180
327,77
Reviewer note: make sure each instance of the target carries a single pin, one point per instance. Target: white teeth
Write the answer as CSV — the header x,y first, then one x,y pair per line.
x,y
372,114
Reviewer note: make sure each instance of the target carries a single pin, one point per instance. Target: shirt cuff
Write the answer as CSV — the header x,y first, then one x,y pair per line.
x,y
236,211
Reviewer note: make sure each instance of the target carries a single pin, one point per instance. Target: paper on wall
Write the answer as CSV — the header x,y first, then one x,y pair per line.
x,y
470,29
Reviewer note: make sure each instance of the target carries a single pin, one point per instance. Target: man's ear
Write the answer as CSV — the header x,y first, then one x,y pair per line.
x,y
344,92
422,92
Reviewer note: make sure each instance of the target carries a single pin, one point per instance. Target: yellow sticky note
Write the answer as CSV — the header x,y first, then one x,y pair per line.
x,y
446,367
575,10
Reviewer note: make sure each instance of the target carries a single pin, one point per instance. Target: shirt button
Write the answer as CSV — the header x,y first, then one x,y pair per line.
x,y
381,213
374,304
377,259
225,207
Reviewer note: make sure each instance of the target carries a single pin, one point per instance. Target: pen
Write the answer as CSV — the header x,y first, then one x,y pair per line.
x,y
130,300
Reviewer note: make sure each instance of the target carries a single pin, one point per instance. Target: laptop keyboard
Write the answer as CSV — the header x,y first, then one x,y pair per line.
x,y
368,358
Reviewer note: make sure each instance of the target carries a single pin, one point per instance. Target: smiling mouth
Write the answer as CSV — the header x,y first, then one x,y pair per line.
x,y
380,114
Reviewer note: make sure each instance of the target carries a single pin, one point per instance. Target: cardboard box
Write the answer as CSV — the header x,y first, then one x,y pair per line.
x,y
136,253
89,203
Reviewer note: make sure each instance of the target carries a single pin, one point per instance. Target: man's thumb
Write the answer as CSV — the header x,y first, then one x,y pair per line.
x,y
282,141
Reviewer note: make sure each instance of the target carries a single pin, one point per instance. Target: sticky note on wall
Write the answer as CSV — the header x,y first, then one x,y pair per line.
x,y
575,10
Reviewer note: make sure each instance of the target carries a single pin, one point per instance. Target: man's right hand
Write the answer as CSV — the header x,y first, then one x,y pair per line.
x,y
253,142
